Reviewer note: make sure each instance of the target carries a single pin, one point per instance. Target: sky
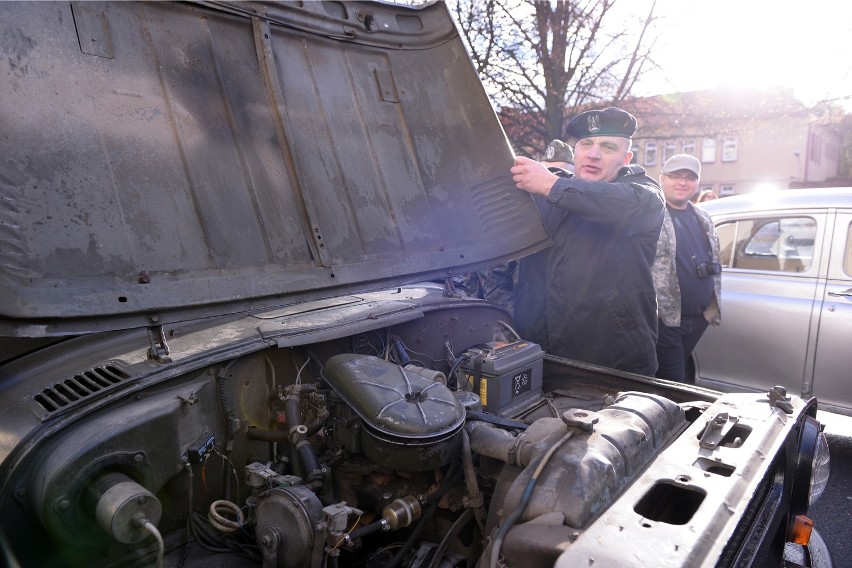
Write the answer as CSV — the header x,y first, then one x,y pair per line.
x,y
804,45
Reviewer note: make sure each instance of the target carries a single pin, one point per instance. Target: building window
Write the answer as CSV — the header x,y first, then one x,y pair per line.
x,y
816,147
635,150
729,150
688,146
726,190
708,150
668,151
650,153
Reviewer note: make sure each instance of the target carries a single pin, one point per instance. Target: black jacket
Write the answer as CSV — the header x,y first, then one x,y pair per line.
x,y
590,296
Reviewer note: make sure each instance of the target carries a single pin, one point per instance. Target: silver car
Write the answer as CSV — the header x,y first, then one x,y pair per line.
x,y
786,296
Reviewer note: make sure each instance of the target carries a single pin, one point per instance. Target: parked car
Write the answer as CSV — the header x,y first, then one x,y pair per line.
x,y
786,296
221,342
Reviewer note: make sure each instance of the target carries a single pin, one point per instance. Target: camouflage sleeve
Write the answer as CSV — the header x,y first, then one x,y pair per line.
x,y
664,274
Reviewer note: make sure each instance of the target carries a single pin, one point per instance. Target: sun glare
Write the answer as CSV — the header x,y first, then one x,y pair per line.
x,y
765,187
755,44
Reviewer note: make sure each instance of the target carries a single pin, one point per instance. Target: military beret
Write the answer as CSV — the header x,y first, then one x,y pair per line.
x,y
608,122
558,151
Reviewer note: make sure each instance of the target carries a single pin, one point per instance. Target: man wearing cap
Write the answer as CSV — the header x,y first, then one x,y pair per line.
x,y
686,271
558,154
590,296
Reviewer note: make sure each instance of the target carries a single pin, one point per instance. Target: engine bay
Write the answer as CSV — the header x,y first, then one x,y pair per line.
x,y
229,334
444,440
373,449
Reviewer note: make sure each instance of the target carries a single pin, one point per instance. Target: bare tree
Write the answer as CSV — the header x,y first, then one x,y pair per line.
x,y
541,61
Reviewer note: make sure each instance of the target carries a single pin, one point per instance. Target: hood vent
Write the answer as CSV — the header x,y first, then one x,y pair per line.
x,y
77,390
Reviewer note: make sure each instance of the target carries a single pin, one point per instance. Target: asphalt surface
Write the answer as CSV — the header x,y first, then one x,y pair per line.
x,y
832,514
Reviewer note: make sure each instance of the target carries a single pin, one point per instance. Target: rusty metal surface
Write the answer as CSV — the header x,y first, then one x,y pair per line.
x,y
186,160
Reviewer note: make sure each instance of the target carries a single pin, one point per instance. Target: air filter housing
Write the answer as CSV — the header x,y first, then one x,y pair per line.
x,y
409,422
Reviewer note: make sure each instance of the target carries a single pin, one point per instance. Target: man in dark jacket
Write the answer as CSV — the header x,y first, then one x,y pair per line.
x,y
590,296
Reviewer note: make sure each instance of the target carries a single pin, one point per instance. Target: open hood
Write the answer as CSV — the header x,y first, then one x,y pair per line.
x,y
164,162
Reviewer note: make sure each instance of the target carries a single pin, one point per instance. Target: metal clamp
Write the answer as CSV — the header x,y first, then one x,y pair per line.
x,y
716,430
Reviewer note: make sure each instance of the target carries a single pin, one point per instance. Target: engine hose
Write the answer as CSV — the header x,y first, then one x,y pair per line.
x,y
221,523
293,413
309,459
190,521
365,530
295,463
315,426
453,475
525,499
304,450
278,436
496,443
473,415
404,359
473,493
451,376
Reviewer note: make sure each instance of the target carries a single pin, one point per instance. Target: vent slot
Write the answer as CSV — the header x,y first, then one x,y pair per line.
x,y
76,390
669,503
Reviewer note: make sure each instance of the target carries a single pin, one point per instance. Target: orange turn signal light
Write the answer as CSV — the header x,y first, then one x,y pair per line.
x,y
800,531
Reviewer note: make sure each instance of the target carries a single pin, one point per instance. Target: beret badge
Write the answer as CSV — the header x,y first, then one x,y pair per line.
x,y
594,123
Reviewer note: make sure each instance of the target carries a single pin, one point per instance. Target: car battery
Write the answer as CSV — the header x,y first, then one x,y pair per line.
x,y
506,375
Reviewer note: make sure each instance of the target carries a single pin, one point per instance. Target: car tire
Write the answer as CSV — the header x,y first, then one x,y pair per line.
x,y
814,555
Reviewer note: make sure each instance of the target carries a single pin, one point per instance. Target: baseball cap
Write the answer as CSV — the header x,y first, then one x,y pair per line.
x,y
682,162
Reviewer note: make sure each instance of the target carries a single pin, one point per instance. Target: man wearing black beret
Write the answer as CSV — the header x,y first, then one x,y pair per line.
x,y
590,296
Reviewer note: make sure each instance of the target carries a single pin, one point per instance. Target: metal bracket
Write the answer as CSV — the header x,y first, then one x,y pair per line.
x,y
450,288
159,349
192,397
778,399
717,428
260,476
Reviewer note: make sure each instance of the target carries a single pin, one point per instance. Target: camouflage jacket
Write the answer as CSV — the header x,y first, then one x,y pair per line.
x,y
664,272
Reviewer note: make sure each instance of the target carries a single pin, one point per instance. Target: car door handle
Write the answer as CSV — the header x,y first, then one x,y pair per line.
x,y
847,293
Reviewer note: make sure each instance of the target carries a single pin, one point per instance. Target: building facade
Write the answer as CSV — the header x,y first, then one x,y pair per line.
x,y
746,140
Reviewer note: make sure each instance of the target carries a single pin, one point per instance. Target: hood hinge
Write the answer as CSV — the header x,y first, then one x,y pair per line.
x,y
159,349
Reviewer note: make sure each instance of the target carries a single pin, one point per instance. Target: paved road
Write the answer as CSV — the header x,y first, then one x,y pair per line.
x,y
832,514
